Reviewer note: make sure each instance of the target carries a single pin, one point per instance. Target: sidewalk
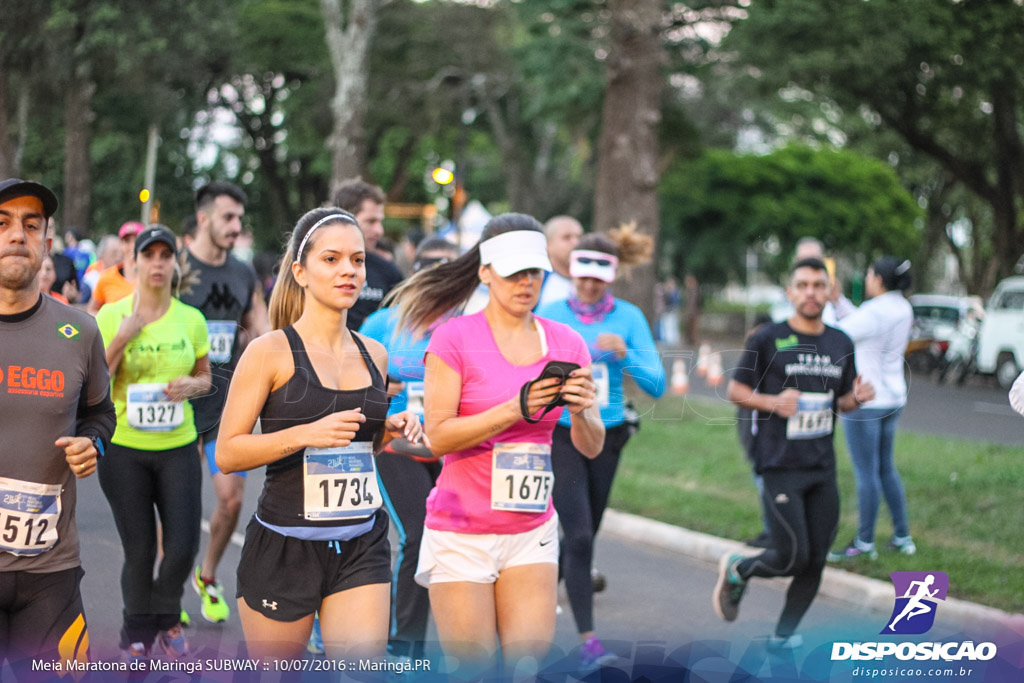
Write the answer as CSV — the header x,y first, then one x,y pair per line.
x,y
862,593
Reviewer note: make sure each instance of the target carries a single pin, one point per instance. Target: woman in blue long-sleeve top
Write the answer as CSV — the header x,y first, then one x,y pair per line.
x,y
620,342
407,478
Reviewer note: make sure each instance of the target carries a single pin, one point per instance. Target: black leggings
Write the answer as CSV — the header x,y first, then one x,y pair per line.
x,y
138,485
406,483
804,508
580,496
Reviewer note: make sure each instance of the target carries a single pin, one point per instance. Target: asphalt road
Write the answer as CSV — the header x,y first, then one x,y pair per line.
x,y
979,410
656,614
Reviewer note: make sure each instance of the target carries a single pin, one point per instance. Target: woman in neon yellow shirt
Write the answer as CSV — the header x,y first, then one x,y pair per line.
x,y
156,350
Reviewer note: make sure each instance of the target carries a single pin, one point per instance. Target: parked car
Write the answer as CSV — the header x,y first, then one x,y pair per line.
x,y
936,318
1001,343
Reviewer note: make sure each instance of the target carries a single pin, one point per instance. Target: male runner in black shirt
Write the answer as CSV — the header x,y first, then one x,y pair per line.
x,y
366,203
796,375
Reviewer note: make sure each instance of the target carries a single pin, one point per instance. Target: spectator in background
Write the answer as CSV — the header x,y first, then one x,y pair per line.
x,y
188,232
880,330
366,203
407,248
80,250
693,307
563,234
118,281
109,253
386,249
47,276
667,294
65,278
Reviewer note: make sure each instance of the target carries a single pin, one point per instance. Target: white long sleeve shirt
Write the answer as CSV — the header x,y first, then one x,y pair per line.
x,y
880,330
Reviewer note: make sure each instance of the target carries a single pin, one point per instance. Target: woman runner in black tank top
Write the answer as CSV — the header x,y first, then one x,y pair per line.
x,y
318,541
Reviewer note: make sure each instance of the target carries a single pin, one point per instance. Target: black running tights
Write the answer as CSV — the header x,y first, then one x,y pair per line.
x,y
804,508
139,485
580,496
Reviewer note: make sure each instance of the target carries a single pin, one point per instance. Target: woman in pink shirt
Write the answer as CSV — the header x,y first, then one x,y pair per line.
x,y
490,549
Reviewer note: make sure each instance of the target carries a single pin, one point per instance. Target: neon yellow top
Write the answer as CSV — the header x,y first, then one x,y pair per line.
x,y
164,350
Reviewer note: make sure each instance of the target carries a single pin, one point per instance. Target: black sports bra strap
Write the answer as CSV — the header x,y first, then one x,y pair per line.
x,y
299,356
371,367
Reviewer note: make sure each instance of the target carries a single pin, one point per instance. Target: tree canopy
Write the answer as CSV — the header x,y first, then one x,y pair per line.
x,y
717,207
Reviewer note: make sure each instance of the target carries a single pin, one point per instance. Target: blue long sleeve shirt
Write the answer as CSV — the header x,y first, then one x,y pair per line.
x,y
642,361
405,355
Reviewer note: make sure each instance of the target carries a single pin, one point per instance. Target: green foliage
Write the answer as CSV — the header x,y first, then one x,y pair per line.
x,y
943,76
716,207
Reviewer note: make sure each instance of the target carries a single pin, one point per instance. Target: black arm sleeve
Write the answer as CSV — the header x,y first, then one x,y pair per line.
x,y
96,415
96,420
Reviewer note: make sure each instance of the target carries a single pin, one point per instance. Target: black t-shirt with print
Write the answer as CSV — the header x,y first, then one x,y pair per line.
x,y
822,368
381,277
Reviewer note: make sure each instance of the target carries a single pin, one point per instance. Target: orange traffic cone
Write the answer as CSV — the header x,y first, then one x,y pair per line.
x,y
680,380
715,371
703,353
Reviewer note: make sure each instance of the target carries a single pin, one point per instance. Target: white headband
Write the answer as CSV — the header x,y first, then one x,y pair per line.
x,y
334,216
515,251
585,263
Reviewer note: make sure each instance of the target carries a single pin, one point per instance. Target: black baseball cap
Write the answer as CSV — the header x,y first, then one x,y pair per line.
x,y
153,234
13,188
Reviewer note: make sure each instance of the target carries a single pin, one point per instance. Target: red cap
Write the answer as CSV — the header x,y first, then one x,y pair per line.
x,y
130,228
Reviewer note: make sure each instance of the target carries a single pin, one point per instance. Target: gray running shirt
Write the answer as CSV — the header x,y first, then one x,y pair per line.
x,y
52,367
224,295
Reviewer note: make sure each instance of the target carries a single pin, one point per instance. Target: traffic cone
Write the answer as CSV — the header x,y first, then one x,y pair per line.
x,y
715,370
703,353
680,380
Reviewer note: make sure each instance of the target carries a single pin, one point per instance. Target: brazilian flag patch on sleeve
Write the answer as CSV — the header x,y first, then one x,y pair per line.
x,y
67,331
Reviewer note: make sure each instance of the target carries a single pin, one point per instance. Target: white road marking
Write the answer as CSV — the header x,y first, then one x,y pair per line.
x,y
236,538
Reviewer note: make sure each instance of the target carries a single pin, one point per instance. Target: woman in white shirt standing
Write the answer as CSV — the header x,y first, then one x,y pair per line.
x,y
880,330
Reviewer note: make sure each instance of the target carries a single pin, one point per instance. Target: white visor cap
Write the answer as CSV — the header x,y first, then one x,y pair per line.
x,y
512,252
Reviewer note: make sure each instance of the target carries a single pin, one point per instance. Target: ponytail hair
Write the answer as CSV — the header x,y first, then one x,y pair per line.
x,y
429,294
625,242
895,273
287,299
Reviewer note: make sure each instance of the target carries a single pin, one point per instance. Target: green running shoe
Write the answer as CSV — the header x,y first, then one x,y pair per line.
x,y
214,608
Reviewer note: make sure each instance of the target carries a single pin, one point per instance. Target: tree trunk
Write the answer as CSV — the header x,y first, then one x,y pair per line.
x,y
78,117
627,172
8,168
348,42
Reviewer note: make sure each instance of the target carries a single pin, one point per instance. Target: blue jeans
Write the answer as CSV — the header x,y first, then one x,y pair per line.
x,y
869,434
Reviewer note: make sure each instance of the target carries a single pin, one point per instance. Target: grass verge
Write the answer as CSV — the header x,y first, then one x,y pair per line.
x,y
965,499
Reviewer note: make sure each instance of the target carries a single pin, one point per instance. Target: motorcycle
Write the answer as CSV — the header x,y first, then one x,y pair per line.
x,y
960,359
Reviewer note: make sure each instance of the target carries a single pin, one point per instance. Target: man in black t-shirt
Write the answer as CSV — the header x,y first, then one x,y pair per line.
x,y
230,297
796,375
366,203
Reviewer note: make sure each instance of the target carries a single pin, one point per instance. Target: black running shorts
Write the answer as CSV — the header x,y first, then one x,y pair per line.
x,y
286,578
41,617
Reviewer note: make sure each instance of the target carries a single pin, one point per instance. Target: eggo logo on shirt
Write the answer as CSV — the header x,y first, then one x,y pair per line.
x,y
33,381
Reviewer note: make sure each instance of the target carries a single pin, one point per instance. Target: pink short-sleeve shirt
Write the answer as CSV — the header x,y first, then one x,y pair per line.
x,y
461,500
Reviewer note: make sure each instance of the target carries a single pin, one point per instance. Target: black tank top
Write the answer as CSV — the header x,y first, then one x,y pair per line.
x,y
303,399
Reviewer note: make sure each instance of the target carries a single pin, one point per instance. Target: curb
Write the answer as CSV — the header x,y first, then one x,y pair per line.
x,y
861,593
